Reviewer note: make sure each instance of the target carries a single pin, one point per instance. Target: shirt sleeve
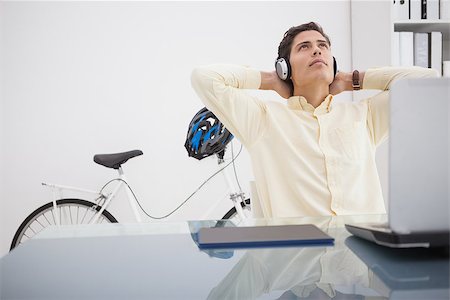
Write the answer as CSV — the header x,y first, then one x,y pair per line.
x,y
378,105
222,90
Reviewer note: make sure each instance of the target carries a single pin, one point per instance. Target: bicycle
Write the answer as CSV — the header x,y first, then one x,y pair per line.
x,y
206,136
71,211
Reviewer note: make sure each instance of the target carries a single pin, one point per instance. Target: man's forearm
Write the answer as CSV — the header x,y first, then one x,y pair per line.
x,y
271,81
382,78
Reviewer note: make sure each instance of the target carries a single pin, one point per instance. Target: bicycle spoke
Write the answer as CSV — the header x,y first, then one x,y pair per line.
x,y
64,215
90,220
47,219
70,214
53,215
37,220
84,216
31,228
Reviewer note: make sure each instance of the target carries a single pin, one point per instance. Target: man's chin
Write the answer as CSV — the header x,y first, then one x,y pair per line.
x,y
324,77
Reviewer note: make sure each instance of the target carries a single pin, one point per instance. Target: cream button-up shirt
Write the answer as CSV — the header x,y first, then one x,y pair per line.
x,y
306,161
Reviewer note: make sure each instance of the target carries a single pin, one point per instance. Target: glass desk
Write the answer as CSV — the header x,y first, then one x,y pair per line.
x,y
162,261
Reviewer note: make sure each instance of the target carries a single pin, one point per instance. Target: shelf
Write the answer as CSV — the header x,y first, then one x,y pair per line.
x,y
424,26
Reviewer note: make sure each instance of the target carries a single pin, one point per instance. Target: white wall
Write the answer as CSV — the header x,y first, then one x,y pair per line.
x,y
83,78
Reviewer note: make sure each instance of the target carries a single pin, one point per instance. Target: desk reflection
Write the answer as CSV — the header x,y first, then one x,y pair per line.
x,y
305,273
352,269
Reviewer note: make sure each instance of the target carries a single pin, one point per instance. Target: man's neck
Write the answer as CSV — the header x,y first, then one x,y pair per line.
x,y
314,94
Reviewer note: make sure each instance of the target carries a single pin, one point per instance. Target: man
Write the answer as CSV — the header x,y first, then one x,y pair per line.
x,y
309,157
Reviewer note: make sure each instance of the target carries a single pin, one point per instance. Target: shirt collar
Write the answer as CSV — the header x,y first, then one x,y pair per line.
x,y
300,103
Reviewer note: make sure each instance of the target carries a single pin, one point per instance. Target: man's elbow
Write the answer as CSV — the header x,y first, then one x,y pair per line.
x,y
197,75
202,76
199,79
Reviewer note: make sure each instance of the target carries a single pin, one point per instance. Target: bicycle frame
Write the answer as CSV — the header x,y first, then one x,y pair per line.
x,y
107,198
104,200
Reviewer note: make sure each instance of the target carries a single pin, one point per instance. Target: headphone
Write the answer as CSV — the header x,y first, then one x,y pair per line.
x,y
283,68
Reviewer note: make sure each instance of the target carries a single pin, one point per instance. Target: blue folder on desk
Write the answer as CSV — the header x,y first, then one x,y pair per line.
x,y
262,236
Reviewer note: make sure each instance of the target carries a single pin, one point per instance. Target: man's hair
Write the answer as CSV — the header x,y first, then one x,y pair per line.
x,y
284,49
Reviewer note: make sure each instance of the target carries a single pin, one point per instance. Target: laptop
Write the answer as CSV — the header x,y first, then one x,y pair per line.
x,y
419,158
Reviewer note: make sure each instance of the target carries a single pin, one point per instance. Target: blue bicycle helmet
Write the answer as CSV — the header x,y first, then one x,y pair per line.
x,y
206,136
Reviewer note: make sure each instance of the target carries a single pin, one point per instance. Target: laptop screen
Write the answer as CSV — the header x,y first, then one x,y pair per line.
x,y
419,155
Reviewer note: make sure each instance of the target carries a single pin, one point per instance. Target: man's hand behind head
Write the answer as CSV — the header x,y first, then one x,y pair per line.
x,y
342,82
271,81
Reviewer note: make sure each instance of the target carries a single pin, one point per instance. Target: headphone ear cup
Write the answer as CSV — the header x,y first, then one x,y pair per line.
x,y
334,66
283,68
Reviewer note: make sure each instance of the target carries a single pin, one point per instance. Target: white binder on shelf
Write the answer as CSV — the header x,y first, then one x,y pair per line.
x,y
444,10
446,68
396,49
401,10
436,51
433,10
421,51
415,9
406,48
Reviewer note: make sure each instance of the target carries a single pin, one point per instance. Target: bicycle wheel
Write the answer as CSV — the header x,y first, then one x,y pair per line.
x,y
71,212
233,215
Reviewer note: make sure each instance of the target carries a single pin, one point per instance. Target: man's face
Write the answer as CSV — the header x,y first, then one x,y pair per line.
x,y
311,58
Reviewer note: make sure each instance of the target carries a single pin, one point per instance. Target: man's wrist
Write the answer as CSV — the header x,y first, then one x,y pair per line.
x,y
348,82
356,83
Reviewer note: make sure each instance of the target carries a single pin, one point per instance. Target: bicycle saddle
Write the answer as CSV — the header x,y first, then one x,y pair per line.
x,y
115,160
